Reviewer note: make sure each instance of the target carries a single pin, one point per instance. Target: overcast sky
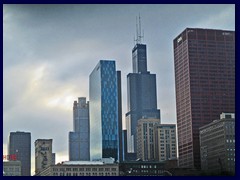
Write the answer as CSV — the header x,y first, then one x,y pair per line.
x,y
49,52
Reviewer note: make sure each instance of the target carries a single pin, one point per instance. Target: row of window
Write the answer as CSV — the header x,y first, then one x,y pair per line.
x,y
84,169
85,174
10,169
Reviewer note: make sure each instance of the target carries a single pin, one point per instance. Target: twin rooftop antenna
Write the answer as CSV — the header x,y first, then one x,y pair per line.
x,y
139,34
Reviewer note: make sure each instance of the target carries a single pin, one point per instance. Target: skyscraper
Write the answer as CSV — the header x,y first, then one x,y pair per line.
x,y
204,61
20,144
43,154
79,140
141,93
104,111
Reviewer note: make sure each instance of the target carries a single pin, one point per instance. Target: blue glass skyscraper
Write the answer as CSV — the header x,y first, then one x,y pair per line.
x,y
104,111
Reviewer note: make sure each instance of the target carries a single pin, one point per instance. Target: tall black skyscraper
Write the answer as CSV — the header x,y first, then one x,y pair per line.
x,y
20,144
141,92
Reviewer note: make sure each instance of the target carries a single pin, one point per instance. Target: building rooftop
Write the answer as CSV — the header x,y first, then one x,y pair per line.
x,y
82,163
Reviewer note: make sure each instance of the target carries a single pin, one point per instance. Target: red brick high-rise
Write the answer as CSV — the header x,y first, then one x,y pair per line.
x,y
204,61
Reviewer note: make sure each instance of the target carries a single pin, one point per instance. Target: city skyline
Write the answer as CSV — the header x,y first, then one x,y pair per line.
x,y
58,45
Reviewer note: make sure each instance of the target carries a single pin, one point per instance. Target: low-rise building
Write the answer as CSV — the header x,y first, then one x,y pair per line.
x,y
217,145
11,168
147,168
81,168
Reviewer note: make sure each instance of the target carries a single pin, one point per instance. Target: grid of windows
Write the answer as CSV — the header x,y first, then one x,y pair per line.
x,y
81,170
204,63
104,111
165,143
217,142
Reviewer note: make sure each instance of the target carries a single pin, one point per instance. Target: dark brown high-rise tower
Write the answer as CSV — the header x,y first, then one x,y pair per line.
x,y
204,61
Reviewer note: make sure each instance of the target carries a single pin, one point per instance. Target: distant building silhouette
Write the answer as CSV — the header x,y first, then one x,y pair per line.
x,y
79,140
204,61
20,144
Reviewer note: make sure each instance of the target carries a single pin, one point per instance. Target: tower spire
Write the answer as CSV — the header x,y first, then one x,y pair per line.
x,y
139,36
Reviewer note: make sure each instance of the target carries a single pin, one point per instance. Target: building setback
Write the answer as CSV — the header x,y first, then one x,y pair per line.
x,y
217,145
104,111
204,61
20,145
141,95
79,139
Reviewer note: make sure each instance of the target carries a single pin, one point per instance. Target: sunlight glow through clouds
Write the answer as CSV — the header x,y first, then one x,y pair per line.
x,y
63,101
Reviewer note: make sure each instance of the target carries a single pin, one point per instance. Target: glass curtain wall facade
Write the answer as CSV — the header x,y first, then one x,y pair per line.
x,y
204,61
104,127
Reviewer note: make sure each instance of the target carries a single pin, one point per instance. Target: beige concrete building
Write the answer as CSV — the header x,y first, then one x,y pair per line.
x,y
11,168
165,142
145,138
81,168
43,154
217,145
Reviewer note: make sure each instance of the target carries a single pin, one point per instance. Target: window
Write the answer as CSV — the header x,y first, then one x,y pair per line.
x,y
94,169
100,169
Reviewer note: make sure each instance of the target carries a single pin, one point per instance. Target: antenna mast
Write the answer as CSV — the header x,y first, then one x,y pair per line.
x,y
137,31
139,36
